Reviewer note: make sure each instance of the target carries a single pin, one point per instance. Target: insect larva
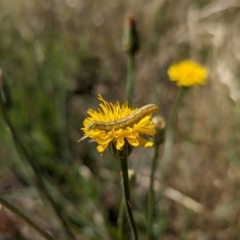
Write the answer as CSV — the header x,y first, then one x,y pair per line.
x,y
126,121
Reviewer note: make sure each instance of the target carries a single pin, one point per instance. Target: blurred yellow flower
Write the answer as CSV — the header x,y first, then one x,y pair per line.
x,y
111,123
188,73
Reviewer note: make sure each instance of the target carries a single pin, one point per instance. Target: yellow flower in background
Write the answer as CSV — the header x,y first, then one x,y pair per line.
x,y
188,73
118,123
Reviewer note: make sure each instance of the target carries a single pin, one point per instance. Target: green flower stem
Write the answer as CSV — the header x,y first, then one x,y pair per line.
x,y
39,179
126,195
151,192
169,138
130,76
20,214
121,217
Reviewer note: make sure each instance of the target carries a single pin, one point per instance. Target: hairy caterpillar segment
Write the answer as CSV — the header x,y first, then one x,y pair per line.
x,y
126,121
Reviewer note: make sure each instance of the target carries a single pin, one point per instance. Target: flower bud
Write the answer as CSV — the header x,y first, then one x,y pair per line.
x,y
160,125
130,35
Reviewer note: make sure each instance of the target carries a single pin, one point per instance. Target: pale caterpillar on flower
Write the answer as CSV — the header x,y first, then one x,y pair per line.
x,y
130,120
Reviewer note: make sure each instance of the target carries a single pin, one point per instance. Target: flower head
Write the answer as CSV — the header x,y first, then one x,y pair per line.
x,y
115,123
188,73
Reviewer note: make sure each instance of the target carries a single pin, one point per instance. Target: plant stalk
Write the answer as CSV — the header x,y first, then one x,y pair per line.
x,y
126,195
151,192
169,137
130,76
121,217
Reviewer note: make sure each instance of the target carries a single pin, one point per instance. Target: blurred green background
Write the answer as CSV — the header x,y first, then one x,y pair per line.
x,y
57,56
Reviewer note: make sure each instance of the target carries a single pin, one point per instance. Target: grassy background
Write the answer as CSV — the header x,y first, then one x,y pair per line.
x,y
56,56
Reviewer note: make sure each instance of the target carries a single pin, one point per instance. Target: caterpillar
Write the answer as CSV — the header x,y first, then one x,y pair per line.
x,y
133,118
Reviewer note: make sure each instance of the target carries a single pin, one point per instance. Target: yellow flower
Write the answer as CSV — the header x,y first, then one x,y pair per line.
x,y
104,133
188,73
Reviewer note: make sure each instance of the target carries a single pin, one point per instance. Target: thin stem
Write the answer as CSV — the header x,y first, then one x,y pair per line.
x,y
126,194
121,217
169,138
13,209
130,75
151,192
39,179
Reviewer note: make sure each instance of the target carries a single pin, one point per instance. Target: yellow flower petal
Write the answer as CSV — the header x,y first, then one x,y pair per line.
x,y
102,148
145,143
120,143
133,141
